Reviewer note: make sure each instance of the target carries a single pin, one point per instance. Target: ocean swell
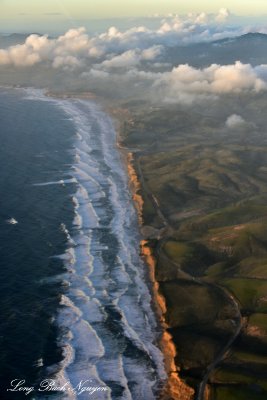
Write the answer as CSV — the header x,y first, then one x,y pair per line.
x,y
108,329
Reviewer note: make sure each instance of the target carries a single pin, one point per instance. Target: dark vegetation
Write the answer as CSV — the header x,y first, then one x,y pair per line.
x,y
210,184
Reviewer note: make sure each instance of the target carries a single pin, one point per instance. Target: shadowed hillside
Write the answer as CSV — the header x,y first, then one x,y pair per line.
x,y
209,181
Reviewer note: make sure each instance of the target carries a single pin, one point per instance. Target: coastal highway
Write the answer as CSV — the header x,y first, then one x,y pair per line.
x,y
239,321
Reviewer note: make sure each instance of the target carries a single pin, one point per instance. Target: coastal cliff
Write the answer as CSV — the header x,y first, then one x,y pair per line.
x,y
175,388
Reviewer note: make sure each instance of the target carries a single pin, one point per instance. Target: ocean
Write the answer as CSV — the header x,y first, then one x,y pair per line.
x,y
76,314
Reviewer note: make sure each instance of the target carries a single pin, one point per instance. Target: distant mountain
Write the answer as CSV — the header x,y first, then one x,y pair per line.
x,y
249,48
253,36
12,39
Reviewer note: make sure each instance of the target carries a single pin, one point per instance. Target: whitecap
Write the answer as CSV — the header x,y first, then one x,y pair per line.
x,y
103,205
12,221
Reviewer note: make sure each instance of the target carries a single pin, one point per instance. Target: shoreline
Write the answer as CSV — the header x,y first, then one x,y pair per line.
x,y
123,154
115,114
175,388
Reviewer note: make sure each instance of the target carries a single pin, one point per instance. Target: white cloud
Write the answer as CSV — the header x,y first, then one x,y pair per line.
x,y
67,50
124,60
66,62
234,78
20,56
223,15
75,46
192,83
235,121
186,84
96,74
202,18
130,57
151,53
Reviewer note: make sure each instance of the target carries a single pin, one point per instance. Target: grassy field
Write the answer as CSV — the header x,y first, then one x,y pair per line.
x,y
232,392
250,293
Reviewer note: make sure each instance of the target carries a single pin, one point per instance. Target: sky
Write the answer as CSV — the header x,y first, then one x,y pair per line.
x,y
119,8
31,14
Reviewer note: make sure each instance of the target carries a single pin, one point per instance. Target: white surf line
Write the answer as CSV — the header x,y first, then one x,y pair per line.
x,y
92,285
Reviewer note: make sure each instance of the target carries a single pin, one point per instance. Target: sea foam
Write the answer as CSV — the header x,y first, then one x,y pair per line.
x,y
109,331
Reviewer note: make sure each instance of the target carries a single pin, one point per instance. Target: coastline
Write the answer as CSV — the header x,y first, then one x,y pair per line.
x,y
122,154
175,388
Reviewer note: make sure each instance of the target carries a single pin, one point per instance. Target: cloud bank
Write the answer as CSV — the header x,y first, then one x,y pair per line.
x,y
133,57
76,47
187,83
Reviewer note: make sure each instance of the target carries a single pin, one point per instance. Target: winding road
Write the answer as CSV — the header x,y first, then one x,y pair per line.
x,y
202,386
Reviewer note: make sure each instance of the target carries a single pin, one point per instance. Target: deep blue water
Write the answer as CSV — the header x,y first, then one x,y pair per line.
x,y
73,295
35,146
